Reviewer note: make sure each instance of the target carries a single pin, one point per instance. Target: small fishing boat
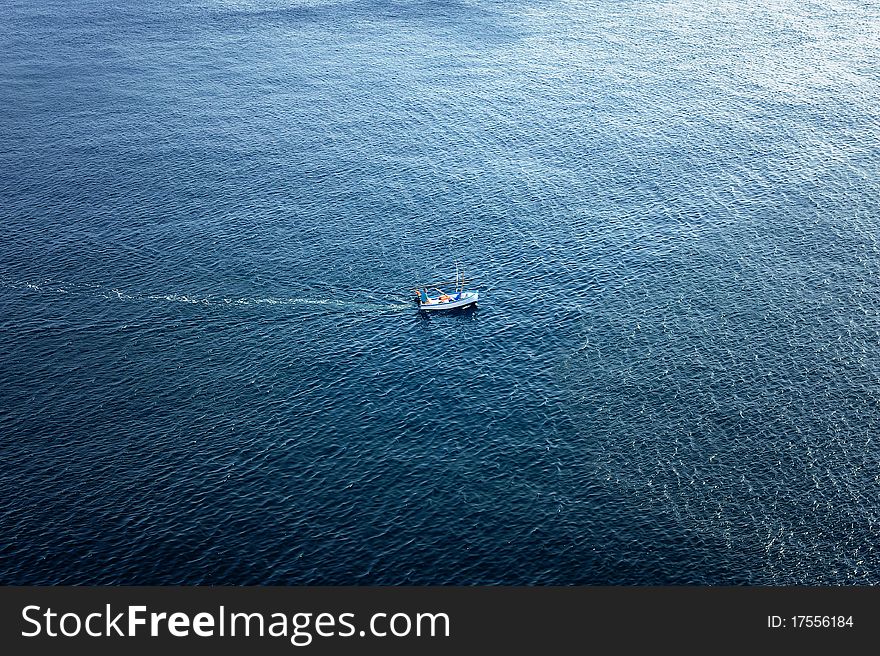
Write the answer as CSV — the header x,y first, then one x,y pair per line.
x,y
432,297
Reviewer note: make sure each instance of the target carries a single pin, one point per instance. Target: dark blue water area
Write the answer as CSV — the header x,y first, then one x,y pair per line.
x,y
212,216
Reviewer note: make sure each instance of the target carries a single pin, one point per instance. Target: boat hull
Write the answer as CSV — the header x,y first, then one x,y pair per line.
x,y
466,298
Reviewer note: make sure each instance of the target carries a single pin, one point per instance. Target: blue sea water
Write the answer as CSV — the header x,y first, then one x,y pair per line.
x,y
211,217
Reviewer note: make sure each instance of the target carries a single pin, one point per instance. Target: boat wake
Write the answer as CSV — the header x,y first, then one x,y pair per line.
x,y
374,304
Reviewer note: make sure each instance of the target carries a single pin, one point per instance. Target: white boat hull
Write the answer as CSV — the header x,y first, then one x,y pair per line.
x,y
456,301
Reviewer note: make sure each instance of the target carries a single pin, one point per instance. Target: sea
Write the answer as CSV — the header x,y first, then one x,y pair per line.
x,y
213,214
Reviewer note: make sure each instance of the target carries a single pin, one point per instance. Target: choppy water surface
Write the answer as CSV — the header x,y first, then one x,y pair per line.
x,y
212,213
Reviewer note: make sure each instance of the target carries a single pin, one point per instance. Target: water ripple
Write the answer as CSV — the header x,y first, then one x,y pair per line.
x,y
213,213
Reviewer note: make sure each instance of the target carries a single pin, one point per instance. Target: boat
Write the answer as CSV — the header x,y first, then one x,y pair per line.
x,y
432,297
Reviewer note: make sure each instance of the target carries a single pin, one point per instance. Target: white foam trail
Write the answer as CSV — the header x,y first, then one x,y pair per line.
x,y
114,293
